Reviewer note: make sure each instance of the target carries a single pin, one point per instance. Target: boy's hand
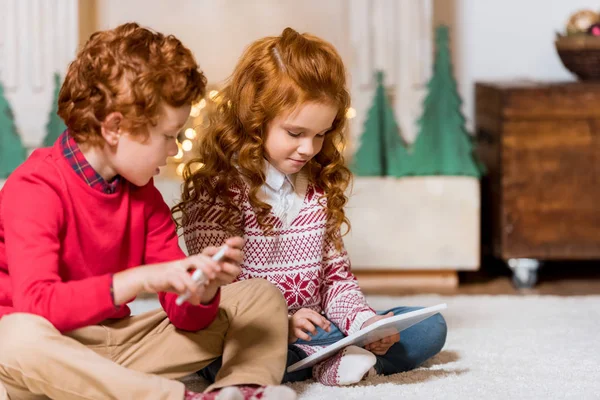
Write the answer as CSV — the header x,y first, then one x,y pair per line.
x,y
175,276
303,321
381,346
171,276
230,267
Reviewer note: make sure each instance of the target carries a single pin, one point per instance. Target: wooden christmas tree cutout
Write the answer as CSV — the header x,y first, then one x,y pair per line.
x,y
382,152
55,126
442,147
12,152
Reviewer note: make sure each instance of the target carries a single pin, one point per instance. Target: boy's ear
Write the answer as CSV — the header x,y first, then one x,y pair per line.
x,y
111,128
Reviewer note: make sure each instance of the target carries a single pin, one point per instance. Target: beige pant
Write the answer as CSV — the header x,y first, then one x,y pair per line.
x,y
137,357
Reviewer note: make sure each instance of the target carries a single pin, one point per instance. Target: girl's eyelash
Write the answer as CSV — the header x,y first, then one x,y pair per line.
x,y
298,134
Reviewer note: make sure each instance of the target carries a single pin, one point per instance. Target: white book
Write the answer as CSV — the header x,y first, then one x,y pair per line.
x,y
372,333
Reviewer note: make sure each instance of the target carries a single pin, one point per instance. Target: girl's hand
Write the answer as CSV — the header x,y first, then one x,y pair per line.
x,y
303,321
381,346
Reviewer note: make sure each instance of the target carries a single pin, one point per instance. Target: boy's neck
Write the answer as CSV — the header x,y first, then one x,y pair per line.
x,y
96,156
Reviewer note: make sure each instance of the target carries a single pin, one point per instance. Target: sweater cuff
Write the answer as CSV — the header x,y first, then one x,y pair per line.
x,y
188,317
360,318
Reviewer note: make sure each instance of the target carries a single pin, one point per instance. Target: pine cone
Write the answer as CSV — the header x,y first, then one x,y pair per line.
x,y
581,21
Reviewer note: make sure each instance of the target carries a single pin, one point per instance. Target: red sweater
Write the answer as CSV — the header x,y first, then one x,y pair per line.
x,y
61,241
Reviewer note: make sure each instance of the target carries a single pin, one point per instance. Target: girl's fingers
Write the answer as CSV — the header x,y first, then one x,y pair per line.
x,y
301,335
306,326
315,319
387,341
391,339
326,323
318,320
377,350
380,344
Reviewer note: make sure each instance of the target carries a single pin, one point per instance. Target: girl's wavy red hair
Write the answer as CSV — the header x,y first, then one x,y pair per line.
x,y
275,75
131,70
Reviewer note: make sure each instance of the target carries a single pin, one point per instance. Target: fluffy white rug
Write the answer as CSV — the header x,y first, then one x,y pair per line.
x,y
498,347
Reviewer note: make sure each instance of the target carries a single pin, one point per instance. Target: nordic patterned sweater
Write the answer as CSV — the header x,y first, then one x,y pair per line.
x,y
298,259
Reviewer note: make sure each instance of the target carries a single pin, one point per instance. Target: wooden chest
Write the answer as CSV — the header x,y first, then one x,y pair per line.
x,y
541,145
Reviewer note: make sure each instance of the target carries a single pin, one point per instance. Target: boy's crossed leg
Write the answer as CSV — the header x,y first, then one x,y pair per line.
x,y
140,355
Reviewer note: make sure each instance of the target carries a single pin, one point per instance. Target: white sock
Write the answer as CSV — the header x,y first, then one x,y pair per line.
x,y
347,367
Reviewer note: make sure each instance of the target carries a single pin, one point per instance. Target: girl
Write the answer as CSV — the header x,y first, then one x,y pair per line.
x,y
271,170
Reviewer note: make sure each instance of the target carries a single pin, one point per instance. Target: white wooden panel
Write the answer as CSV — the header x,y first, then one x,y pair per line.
x,y
35,34
39,38
10,64
399,42
72,32
360,39
3,18
414,223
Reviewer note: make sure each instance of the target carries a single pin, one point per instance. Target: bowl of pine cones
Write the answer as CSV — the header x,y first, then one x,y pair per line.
x,y
579,47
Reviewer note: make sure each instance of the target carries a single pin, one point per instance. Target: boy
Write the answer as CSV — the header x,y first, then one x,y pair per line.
x,y
83,231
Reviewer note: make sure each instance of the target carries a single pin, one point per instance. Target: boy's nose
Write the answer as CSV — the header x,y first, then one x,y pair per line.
x,y
173,150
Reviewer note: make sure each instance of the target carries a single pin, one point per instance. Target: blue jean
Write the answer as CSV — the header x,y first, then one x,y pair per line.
x,y
417,344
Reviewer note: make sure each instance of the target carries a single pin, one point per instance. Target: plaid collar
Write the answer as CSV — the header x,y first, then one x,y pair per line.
x,y
80,165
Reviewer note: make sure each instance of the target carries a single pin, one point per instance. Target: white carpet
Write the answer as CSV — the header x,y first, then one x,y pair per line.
x,y
498,347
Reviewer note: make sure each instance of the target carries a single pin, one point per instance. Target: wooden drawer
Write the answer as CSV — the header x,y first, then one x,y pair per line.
x,y
541,145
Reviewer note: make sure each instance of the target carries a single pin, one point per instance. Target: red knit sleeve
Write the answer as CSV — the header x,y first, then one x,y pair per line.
x,y
343,302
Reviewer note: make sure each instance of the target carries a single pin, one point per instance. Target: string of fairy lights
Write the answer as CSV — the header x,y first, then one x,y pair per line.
x,y
188,139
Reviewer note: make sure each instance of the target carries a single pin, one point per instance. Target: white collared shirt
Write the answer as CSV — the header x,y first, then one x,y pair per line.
x,y
285,193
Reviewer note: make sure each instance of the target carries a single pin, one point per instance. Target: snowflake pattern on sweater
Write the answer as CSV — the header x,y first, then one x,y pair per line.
x,y
299,258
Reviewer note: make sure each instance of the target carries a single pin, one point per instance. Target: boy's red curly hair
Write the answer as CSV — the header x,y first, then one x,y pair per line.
x,y
265,84
131,70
